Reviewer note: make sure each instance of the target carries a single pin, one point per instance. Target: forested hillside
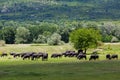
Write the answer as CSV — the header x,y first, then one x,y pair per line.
x,y
51,21
52,10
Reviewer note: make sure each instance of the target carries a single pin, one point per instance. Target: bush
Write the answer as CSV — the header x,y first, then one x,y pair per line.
x,y
114,39
40,39
107,38
55,39
99,43
2,43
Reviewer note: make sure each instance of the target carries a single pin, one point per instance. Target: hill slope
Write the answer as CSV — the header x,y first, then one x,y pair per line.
x,y
47,10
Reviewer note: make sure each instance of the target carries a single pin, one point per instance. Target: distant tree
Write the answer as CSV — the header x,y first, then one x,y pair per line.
x,y
64,32
108,28
114,39
40,39
47,34
92,25
85,38
117,32
22,35
34,32
55,39
8,34
106,38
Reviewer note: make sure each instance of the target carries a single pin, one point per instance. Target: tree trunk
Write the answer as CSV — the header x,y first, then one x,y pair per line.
x,y
85,51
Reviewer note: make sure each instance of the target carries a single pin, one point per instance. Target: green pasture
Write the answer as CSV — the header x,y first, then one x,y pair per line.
x,y
59,68
37,70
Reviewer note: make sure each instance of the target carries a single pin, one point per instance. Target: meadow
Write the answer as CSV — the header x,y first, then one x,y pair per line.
x,y
58,69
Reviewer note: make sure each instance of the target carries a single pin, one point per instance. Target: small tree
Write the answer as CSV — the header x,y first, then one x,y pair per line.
x,y
55,39
2,43
40,39
114,39
85,38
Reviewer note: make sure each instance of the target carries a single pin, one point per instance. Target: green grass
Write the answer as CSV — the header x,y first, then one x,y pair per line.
x,y
61,68
37,70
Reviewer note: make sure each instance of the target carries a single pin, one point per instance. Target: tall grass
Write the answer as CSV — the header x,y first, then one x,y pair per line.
x,y
18,48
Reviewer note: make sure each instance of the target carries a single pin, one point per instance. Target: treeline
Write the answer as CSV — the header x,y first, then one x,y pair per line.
x,y
53,33
34,32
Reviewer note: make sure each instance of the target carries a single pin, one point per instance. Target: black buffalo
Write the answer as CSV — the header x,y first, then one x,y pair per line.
x,y
113,56
12,53
56,55
94,57
69,54
108,56
81,56
45,56
4,54
27,55
36,56
16,55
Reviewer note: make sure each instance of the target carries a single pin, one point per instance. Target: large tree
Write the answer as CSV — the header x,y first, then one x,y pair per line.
x,y
85,38
22,35
8,34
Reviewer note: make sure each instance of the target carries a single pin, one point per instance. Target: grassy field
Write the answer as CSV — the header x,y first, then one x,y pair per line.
x,y
58,69
18,48
28,70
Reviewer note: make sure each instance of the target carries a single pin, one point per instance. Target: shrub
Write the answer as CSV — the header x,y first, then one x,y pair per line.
x,y
114,39
40,39
2,43
55,39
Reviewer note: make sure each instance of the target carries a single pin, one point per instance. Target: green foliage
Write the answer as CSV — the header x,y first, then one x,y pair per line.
x,y
114,39
2,43
40,39
8,34
85,38
55,39
107,38
22,35
54,10
47,34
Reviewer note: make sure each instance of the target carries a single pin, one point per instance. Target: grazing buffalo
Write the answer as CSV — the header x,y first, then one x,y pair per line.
x,y
45,56
56,55
108,56
23,54
81,56
27,55
12,53
36,56
16,55
4,54
69,54
114,56
94,57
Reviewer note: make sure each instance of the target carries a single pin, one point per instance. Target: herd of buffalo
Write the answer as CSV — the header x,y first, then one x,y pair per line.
x,y
44,56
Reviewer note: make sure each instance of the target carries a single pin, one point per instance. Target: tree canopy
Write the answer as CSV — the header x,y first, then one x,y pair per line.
x,y
85,38
22,35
